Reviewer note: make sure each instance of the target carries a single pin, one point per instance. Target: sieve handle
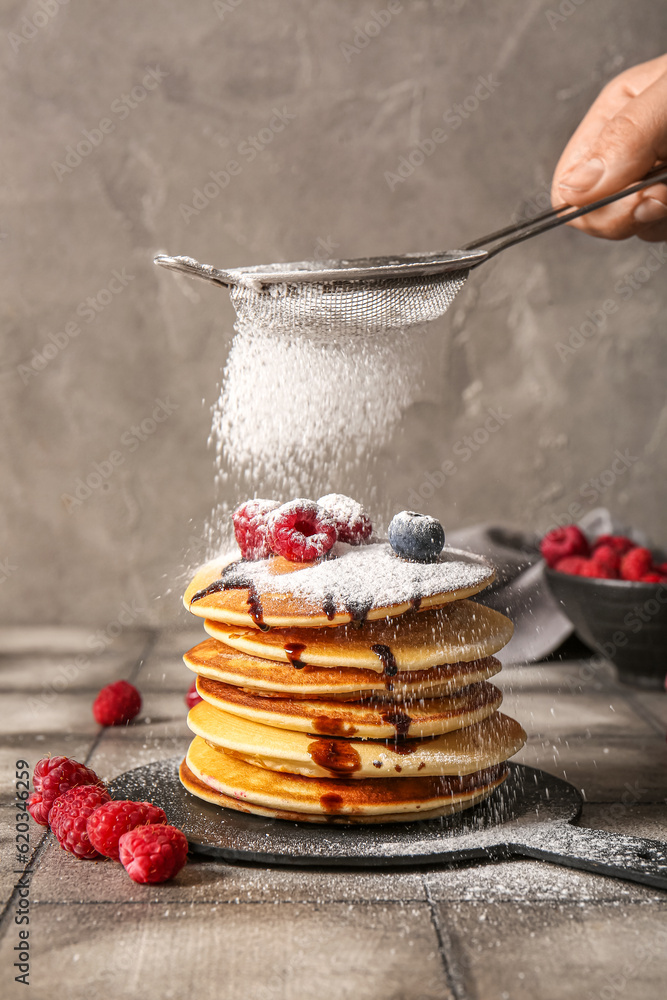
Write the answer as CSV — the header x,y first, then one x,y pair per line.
x,y
554,217
632,858
188,265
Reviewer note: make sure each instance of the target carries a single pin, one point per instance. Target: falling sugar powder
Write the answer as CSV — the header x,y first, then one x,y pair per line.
x,y
301,413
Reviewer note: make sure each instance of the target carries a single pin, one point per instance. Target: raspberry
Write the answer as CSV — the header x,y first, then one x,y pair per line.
x,y
652,578
607,558
53,776
597,571
619,543
571,564
562,542
301,531
250,527
117,704
636,563
38,808
153,853
107,824
353,525
193,696
69,815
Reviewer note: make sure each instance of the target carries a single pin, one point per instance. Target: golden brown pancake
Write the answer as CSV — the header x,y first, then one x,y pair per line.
x,y
273,678
461,752
460,632
425,717
354,583
202,791
225,780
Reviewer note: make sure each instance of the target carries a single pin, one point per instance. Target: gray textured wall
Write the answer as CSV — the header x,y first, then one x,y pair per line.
x,y
220,70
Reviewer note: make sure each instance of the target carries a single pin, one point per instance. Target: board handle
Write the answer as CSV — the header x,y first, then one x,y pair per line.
x,y
634,858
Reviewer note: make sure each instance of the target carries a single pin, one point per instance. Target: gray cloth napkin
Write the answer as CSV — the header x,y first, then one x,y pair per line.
x,y
520,590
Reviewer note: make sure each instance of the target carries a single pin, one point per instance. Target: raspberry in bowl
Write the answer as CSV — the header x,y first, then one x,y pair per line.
x,y
615,594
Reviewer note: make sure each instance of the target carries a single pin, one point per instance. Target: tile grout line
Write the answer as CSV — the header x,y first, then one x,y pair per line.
x,y
317,901
31,867
453,980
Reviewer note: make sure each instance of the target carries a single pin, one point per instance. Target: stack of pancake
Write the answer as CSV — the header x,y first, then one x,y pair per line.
x,y
350,690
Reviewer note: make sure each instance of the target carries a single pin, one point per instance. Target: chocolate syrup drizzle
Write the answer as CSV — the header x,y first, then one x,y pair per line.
x,y
331,802
336,756
234,578
401,723
387,658
332,727
293,650
329,606
358,611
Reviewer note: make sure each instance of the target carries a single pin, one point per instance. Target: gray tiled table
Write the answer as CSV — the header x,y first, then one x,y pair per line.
x,y
495,931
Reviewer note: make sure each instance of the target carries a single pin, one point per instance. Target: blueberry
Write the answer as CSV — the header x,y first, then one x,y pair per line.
x,y
416,536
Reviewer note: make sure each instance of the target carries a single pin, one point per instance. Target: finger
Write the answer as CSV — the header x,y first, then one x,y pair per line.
x,y
609,102
631,216
626,147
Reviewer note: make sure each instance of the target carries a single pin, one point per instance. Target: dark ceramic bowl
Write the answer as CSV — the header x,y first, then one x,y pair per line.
x,y
624,621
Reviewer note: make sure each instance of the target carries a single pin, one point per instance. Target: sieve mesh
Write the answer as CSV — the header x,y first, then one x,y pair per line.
x,y
364,306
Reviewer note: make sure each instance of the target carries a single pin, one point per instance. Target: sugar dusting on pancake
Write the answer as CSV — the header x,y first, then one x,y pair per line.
x,y
350,582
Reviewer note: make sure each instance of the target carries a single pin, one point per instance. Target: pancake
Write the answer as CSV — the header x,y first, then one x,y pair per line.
x,y
220,778
425,717
353,583
462,631
272,678
462,752
203,791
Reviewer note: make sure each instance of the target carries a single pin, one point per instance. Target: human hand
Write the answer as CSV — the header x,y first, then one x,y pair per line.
x,y
623,135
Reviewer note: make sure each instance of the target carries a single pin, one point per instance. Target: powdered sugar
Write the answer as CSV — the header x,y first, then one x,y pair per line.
x,y
303,413
368,575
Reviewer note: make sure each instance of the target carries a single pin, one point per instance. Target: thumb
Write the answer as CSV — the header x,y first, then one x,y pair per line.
x,y
626,147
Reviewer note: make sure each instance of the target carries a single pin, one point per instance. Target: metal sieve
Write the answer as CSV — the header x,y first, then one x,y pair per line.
x,y
372,294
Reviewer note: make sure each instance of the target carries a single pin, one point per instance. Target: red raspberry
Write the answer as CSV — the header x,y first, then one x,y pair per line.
x,y
562,542
636,563
117,704
153,853
619,543
662,568
353,525
597,571
301,531
69,816
107,824
38,808
250,527
571,564
193,696
53,776
652,578
607,558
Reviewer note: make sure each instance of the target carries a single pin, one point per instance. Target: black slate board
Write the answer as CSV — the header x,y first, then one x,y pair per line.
x,y
532,815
